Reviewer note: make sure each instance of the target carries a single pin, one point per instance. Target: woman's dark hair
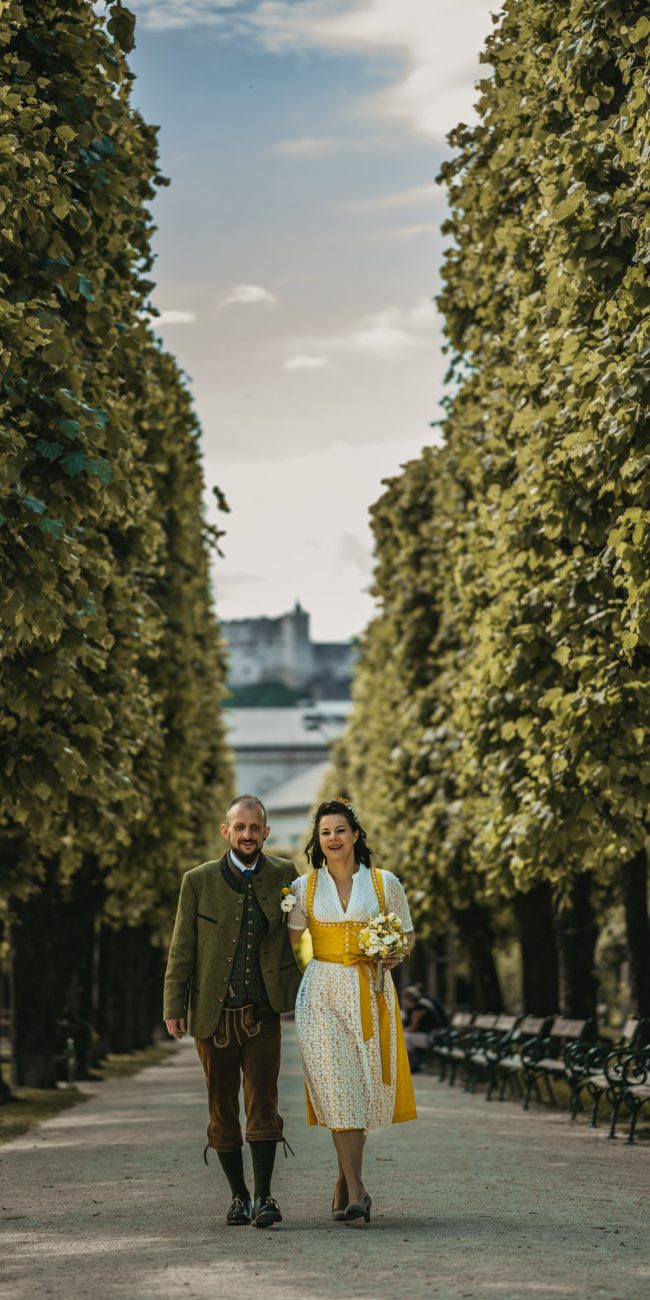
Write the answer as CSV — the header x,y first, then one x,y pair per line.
x,y
313,850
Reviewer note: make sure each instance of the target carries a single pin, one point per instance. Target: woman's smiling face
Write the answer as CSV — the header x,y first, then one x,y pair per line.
x,y
336,837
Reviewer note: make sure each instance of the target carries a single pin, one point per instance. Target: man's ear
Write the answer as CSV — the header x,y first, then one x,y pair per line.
x,y
224,830
267,832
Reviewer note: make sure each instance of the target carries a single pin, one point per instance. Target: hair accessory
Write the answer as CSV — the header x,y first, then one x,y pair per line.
x,y
347,803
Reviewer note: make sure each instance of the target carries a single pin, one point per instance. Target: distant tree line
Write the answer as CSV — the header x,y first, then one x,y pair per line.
x,y
112,751
500,739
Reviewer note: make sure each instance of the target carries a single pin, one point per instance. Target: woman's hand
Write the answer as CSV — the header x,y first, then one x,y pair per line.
x,y
389,962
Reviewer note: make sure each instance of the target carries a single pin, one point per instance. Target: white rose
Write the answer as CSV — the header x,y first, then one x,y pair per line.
x,y
288,903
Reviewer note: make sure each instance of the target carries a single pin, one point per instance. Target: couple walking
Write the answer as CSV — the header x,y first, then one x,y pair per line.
x,y
231,972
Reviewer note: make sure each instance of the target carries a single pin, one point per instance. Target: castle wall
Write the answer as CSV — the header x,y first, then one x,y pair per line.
x,y
281,650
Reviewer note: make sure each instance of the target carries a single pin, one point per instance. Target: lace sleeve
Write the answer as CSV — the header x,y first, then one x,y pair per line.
x,y
396,900
297,917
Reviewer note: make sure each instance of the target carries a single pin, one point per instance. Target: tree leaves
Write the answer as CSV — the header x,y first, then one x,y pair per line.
x,y
503,690
112,742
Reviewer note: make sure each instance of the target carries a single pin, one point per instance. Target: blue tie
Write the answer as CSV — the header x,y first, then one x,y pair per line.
x,y
248,873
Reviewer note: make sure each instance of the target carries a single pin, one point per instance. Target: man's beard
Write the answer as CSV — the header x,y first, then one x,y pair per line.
x,y
247,856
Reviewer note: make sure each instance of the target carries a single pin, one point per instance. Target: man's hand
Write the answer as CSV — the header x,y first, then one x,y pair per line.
x,y
176,1028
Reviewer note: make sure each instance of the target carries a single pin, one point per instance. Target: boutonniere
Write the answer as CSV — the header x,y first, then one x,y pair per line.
x,y
288,901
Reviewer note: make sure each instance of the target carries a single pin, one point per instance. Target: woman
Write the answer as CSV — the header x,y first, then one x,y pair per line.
x,y
351,1038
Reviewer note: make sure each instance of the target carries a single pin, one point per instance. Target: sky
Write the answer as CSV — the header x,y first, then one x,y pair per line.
x,y
298,255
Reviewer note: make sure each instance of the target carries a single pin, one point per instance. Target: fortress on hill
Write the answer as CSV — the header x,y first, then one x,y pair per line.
x,y
279,652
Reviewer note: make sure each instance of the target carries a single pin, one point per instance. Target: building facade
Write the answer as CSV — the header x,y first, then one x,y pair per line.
x,y
282,755
281,651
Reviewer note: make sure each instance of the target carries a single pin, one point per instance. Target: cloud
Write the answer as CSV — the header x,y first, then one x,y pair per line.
x,y
387,335
228,583
249,295
305,362
436,42
403,232
352,553
307,146
167,15
174,317
428,194
430,37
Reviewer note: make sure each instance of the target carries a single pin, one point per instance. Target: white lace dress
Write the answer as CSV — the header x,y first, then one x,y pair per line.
x,y
342,1072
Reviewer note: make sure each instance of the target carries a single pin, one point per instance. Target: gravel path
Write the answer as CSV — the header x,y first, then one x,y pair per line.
x,y
111,1199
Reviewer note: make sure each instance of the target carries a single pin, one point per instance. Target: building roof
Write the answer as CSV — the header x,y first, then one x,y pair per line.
x,y
299,793
312,727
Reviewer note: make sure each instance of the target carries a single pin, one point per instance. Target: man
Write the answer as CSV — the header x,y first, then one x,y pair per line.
x,y
232,966
422,1017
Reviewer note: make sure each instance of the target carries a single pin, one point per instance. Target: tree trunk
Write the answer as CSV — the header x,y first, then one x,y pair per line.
x,y
125,989
75,941
576,933
6,1002
634,880
116,978
475,931
534,916
33,957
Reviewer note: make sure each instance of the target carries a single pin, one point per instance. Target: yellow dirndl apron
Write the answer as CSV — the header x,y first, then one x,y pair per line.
x,y
336,941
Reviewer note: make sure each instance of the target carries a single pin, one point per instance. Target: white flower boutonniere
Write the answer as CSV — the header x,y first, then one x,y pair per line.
x,y
288,901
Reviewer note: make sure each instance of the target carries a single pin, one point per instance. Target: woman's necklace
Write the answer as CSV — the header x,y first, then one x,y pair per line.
x,y
344,897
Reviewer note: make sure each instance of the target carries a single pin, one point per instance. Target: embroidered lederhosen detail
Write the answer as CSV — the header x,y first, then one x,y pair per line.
x,y
238,1023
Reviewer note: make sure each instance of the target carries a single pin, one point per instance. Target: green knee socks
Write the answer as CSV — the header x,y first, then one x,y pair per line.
x,y
233,1167
263,1157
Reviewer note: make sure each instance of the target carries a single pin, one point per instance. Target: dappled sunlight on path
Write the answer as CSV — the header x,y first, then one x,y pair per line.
x,y
112,1200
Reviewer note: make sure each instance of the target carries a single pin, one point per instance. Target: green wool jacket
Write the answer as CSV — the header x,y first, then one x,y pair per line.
x,y
204,943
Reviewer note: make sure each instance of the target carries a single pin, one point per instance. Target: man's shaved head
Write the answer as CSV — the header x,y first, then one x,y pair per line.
x,y
247,801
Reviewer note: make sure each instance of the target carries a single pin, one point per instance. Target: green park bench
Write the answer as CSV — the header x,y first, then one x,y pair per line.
x,y
545,1058
507,1065
449,1042
606,1069
497,1044
480,1044
637,1086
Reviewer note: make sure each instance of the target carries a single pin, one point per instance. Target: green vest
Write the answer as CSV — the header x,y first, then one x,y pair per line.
x,y
205,939
246,982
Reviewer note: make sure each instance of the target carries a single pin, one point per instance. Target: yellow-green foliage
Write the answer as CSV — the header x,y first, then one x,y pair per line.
x,y
111,740
502,702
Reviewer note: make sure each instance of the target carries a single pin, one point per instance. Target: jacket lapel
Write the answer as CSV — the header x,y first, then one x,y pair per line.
x,y
267,887
213,892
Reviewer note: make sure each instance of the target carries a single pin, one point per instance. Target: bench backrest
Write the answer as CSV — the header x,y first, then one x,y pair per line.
x,y
531,1025
462,1019
505,1024
629,1030
484,1021
568,1029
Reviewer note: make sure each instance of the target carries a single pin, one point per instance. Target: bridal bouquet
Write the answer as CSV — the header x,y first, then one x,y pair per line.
x,y
382,937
